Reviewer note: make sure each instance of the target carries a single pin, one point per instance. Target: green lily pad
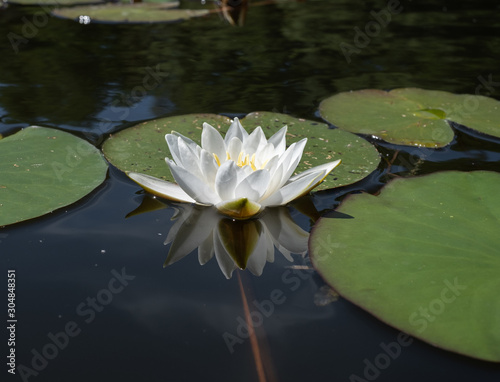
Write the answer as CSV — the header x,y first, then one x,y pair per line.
x,y
153,12
142,148
54,2
411,116
45,169
422,256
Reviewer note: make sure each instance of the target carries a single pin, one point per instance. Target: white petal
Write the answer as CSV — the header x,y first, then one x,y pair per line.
x,y
161,187
173,145
192,144
235,130
193,186
275,182
233,149
212,141
272,164
305,181
226,180
291,158
264,154
255,141
253,186
209,168
278,140
287,164
190,160
327,167
293,190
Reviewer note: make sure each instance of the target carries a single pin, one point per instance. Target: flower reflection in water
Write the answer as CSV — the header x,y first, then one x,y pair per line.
x,y
243,244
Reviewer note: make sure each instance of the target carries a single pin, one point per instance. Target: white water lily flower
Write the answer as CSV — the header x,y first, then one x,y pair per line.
x,y
240,174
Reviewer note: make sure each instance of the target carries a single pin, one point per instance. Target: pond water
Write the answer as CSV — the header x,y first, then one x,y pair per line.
x,y
92,281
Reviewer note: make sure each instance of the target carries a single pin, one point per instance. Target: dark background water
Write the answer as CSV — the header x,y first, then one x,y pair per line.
x,y
168,324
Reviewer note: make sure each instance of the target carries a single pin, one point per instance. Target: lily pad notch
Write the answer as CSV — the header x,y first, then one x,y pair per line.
x,y
411,116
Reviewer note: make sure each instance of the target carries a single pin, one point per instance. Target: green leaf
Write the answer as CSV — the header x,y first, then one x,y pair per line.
x,y
54,2
143,149
411,116
153,12
44,169
422,256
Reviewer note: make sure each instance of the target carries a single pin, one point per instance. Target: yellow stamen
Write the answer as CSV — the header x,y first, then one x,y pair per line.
x,y
217,159
240,163
243,160
252,162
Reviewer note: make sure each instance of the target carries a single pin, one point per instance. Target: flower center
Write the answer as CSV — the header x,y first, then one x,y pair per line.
x,y
243,160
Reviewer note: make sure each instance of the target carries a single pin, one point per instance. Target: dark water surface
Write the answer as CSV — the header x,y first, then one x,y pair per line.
x,y
172,324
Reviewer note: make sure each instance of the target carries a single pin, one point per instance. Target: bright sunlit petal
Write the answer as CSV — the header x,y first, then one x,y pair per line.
x,y
212,141
278,140
209,168
161,187
255,141
253,186
327,167
236,130
226,180
192,185
292,190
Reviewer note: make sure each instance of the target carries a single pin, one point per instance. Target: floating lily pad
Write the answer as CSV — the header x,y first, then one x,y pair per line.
x,y
153,12
422,256
45,169
54,2
411,116
142,148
